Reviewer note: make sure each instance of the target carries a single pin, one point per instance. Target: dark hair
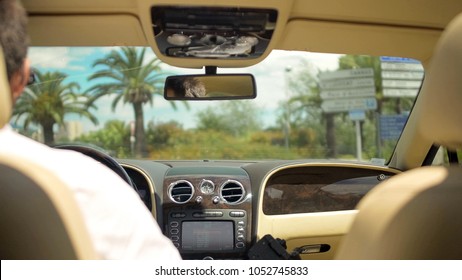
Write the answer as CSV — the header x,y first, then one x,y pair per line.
x,y
187,87
13,34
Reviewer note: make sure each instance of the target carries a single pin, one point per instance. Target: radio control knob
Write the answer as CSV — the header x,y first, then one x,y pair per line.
x,y
215,200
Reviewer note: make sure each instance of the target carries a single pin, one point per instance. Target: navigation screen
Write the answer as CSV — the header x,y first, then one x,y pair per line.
x,y
207,236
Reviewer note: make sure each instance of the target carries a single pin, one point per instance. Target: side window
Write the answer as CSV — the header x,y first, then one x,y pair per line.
x,y
443,158
440,157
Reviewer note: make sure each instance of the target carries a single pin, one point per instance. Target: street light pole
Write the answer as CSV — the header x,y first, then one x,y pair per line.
x,y
132,137
287,112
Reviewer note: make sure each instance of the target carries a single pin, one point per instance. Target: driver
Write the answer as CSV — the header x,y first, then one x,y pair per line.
x,y
185,87
119,224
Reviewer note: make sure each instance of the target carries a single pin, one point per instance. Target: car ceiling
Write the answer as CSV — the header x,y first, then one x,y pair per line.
x,y
395,27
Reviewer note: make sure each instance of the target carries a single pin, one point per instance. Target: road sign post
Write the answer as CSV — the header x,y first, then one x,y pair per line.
x,y
359,145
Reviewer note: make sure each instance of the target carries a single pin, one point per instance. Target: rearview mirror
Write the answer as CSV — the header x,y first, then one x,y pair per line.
x,y
210,87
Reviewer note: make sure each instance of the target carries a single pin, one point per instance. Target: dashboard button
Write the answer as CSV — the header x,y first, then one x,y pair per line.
x,y
217,214
174,231
173,224
240,245
215,200
208,214
177,245
178,215
240,237
198,215
237,214
174,238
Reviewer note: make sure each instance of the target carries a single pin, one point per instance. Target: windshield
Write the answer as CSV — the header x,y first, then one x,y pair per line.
x,y
308,106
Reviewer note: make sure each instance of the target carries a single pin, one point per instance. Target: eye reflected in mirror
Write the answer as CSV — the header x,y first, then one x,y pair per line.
x,y
210,87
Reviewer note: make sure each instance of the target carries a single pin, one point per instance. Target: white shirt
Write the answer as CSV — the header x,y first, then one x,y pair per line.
x,y
119,224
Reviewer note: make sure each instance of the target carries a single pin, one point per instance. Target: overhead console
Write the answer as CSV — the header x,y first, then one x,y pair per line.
x,y
212,32
208,216
216,33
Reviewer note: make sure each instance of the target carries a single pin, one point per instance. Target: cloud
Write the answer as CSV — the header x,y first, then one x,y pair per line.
x,y
61,58
105,112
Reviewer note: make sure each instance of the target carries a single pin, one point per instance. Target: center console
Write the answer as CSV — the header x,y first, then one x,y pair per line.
x,y
208,216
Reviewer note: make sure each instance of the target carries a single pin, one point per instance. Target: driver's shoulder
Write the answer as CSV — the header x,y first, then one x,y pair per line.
x,y
84,172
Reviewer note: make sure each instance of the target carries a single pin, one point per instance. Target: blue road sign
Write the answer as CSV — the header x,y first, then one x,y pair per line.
x,y
391,126
398,59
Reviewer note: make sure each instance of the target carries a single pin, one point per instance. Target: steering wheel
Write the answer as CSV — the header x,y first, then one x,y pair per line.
x,y
101,157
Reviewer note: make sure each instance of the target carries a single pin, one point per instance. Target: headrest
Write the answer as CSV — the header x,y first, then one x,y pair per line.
x,y
5,95
441,94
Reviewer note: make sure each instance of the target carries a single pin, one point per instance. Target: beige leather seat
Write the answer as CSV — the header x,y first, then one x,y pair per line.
x,y
418,214
39,218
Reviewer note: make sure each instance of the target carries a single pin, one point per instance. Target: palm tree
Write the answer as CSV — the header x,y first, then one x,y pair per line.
x,y
127,76
48,100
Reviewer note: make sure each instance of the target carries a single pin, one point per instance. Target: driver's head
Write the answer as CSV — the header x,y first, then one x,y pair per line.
x,y
14,41
194,88
185,87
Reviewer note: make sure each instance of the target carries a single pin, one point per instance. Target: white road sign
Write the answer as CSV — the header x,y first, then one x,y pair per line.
x,y
347,83
347,93
402,75
349,104
347,73
398,92
401,66
401,84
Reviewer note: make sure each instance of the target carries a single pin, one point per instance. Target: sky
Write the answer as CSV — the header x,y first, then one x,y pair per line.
x,y
77,63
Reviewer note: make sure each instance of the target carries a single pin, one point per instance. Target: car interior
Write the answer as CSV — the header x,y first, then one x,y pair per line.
x,y
315,209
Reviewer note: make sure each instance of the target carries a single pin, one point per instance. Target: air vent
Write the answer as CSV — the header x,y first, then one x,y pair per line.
x,y
181,191
232,192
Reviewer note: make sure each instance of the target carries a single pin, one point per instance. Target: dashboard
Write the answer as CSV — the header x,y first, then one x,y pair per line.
x,y
220,209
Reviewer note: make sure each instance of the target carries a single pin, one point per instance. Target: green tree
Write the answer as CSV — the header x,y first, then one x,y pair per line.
x,y
311,127
238,118
48,100
159,134
114,138
125,74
